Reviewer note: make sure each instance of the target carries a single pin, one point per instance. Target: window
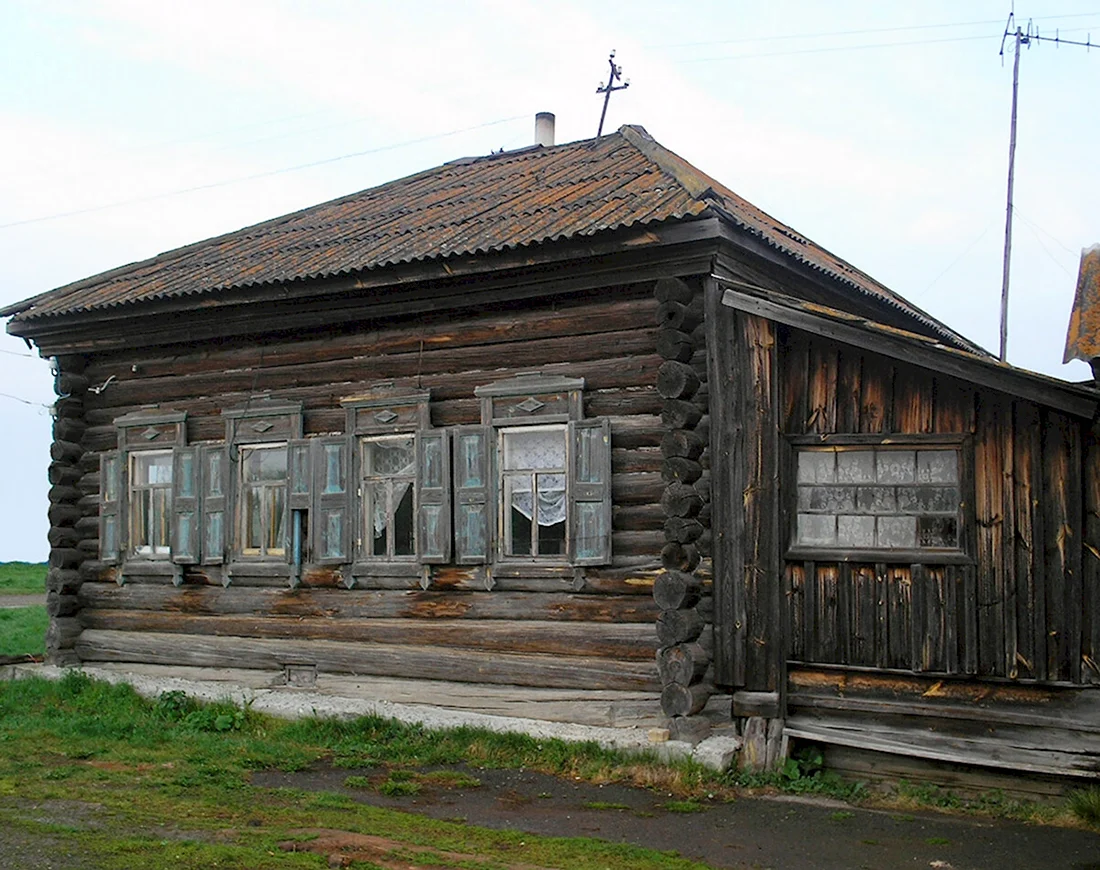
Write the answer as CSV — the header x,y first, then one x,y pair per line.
x,y
885,499
150,503
533,485
263,499
389,489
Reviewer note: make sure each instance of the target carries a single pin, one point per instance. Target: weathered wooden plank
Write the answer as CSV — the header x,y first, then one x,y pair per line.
x,y
796,623
363,603
628,641
1090,557
413,662
1062,523
953,410
899,617
876,402
849,386
821,400
826,617
864,623
989,484
727,519
794,353
913,399
1029,612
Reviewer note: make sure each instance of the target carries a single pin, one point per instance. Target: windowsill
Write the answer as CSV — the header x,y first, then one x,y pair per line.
x,y
534,569
149,567
386,567
243,568
903,557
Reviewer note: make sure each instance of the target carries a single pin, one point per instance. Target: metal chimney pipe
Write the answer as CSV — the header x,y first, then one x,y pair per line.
x,y
544,129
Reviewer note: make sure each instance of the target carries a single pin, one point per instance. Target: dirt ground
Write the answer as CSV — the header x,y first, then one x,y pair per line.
x,y
752,832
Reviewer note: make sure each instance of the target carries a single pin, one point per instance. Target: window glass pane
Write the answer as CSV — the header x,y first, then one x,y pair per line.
x,y
110,535
152,469
110,485
159,533
534,449
265,464
213,541
391,456
276,501
518,501
141,509
378,511
432,472
254,533
937,466
403,544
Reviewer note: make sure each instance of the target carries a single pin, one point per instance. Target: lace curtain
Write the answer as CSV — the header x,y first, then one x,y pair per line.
x,y
533,451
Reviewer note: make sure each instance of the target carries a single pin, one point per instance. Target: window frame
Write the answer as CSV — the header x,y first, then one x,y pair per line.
x,y
262,553
366,511
149,552
503,475
962,444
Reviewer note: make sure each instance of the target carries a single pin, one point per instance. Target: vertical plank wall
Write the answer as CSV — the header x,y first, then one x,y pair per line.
x,y
1026,608
598,633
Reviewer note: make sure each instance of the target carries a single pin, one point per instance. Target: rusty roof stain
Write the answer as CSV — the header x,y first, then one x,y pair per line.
x,y
1083,336
466,207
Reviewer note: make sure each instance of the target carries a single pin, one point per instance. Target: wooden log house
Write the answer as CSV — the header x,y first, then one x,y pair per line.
x,y
576,416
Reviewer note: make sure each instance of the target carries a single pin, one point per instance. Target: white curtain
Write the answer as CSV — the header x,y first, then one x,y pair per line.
x,y
535,450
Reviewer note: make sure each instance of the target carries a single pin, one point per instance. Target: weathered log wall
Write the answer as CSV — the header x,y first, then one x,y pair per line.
x,y
1024,606
593,629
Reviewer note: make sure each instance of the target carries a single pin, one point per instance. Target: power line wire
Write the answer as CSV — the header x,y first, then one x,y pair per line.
x,y
832,48
226,182
17,353
861,32
25,401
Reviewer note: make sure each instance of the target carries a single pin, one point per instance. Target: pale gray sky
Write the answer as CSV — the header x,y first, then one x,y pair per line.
x,y
879,130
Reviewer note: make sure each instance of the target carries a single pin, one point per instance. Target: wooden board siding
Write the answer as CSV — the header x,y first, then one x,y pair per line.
x,y
546,626
1024,605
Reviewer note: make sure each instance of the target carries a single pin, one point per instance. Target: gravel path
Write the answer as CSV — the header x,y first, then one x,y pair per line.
x,y
23,600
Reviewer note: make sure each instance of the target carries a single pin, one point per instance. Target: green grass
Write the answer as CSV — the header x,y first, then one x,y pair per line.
x,y
170,780
22,578
1085,805
23,630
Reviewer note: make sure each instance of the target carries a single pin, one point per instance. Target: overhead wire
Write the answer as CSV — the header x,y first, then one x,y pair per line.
x,y
255,176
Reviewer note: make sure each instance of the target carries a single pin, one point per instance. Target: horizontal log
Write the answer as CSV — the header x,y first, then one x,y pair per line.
x,y
634,460
65,514
61,605
63,536
672,344
71,406
642,488
680,414
672,289
62,633
678,626
65,451
684,663
680,500
65,557
680,468
679,557
682,531
637,518
63,580
702,485
402,661
676,380
677,700
87,526
702,429
67,383
64,494
676,590
683,443
63,473
627,641
706,544
373,604
68,429
678,315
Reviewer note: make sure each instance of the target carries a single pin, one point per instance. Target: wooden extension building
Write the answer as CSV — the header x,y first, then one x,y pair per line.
x,y
577,416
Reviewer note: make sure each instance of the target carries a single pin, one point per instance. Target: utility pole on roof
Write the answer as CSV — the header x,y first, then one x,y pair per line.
x,y
1020,37
606,90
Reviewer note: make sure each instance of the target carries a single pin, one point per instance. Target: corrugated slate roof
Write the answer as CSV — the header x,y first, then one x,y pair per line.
x,y
477,205
1083,335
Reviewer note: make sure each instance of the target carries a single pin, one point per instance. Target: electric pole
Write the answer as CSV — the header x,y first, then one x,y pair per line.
x,y
609,88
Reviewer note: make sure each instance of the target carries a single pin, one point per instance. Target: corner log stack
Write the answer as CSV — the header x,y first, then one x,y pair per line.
x,y
684,635
68,512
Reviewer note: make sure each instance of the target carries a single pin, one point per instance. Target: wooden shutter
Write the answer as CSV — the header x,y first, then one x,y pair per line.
x,y
186,466
474,487
215,486
110,490
589,483
433,497
331,521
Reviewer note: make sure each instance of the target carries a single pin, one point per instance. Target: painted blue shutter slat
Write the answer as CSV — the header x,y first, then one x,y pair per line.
x,y
186,524
215,521
474,488
433,497
110,489
589,485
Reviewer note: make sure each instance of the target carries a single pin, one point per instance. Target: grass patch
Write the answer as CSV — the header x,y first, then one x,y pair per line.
x,y
22,578
603,805
23,631
1085,805
686,806
170,781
